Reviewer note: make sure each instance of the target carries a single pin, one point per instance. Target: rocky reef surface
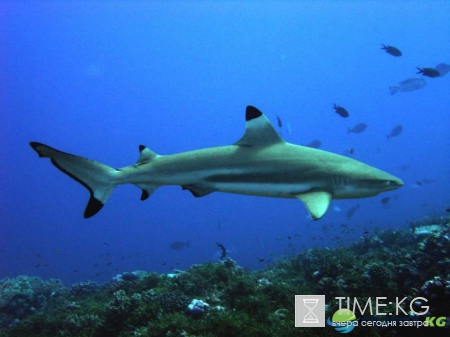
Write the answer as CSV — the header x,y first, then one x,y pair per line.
x,y
224,299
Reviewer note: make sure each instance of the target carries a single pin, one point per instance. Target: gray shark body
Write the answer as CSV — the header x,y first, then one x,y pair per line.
x,y
261,163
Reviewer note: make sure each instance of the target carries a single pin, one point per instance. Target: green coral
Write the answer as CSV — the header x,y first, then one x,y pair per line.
x,y
242,302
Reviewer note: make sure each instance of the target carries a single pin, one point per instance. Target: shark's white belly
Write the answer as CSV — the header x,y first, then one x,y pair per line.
x,y
267,189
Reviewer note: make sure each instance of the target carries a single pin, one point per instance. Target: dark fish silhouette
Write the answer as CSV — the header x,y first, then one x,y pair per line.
x,y
448,210
177,245
426,181
352,211
429,72
385,200
358,128
395,131
410,84
392,50
279,122
443,68
223,250
341,111
314,144
349,151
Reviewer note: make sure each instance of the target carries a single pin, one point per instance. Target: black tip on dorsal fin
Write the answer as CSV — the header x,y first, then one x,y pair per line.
x,y
141,148
251,113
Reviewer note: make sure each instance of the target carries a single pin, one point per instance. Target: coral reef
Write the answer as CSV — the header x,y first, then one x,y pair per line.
x,y
224,299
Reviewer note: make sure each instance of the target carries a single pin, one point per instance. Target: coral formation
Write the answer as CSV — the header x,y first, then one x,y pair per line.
x,y
224,299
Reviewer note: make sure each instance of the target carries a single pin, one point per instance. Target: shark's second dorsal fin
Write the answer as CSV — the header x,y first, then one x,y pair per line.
x,y
258,130
146,155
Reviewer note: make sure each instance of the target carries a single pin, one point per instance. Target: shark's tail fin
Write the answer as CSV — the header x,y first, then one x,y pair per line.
x,y
98,178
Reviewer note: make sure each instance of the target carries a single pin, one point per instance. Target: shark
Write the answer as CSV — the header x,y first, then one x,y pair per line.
x,y
260,163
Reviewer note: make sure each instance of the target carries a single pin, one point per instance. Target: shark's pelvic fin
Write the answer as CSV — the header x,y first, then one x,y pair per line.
x,y
258,130
316,202
98,178
198,190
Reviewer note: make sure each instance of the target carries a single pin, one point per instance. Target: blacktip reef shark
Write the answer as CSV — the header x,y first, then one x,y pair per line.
x,y
261,163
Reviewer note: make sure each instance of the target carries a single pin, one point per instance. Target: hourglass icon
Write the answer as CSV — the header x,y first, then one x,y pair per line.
x,y
310,304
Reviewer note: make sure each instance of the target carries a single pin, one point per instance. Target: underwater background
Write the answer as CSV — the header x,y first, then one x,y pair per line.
x,y
97,79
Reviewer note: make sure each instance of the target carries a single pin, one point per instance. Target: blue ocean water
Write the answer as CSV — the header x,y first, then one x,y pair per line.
x,y
98,79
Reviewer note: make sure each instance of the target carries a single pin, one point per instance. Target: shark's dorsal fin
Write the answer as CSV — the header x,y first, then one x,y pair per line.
x,y
146,155
258,130
316,202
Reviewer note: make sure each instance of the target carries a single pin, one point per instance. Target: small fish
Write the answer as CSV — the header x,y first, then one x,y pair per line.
x,y
411,84
341,111
314,144
427,181
443,68
177,245
352,211
223,250
448,210
358,128
349,151
395,131
392,50
279,122
429,72
385,200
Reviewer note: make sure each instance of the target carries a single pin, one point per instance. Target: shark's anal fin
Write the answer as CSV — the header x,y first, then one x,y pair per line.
x,y
258,130
146,156
147,190
197,190
316,202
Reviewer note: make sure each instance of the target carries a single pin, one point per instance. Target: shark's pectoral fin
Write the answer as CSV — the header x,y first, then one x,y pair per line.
x,y
198,190
316,202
